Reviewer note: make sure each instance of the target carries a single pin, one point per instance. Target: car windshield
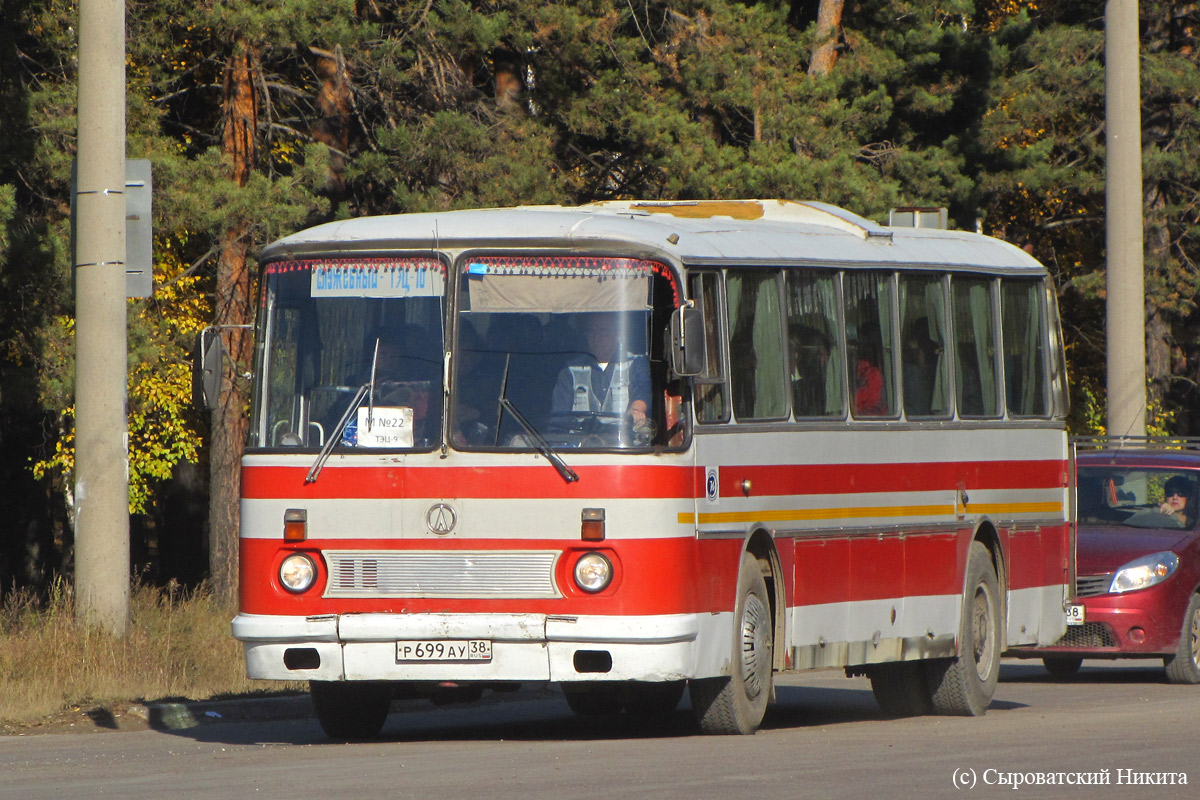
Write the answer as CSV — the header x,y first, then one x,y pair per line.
x,y
1137,498
333,327
561,349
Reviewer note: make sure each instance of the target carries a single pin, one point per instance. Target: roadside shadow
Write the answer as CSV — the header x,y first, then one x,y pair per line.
x,y
545,716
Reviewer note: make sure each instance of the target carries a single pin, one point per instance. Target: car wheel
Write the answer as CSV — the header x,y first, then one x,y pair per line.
x,y
1062,667
1184,666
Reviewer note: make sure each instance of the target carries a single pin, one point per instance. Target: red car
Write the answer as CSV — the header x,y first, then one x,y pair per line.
x,y
1138,561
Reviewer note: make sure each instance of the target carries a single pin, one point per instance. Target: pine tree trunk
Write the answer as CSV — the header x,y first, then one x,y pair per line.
x,y
829,26
336,105
233,307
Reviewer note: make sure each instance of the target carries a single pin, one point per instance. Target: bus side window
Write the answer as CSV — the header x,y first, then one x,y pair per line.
x,y
814,344
709,387
924,356
756,362
1025,347
975,347
869,315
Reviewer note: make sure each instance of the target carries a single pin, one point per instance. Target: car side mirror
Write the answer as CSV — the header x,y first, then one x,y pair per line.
x,y
207,357
688,353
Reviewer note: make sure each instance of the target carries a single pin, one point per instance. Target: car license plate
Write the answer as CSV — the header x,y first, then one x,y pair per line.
x,y
1075,614
444,650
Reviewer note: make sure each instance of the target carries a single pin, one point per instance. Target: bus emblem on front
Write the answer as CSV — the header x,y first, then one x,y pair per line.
x,y
440,519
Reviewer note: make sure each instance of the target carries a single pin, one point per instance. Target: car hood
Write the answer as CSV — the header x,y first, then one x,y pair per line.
x,y
1106,549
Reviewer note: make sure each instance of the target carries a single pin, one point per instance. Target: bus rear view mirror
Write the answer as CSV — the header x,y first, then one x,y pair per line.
x,y
688,356
207,357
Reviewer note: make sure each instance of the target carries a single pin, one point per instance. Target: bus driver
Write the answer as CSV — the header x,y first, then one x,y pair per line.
x,y
608,380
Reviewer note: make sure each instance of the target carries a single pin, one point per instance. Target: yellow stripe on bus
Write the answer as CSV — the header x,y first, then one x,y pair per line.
x,y
996,509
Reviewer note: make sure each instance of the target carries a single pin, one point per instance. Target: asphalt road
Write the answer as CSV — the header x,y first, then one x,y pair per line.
x,y
824,738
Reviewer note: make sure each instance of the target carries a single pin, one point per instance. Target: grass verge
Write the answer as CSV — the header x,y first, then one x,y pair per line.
x,y
178,647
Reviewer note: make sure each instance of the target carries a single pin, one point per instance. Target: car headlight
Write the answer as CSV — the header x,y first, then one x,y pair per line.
x,y
593,572
1144,572
297,573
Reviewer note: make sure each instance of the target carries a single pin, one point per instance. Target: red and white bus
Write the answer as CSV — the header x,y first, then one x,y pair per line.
x,y
633,447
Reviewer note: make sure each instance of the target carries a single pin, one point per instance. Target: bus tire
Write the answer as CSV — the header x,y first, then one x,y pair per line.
x,y
737,704
593,699
351,710
1184,666
964,686
653,699
901,689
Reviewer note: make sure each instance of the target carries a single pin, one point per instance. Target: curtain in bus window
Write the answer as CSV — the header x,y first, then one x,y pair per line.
x,y
709,399
869,315
975,347
923,358
814,344
756,345
1025,342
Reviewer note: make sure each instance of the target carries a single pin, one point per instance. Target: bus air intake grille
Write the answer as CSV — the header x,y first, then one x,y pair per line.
x,y
441,573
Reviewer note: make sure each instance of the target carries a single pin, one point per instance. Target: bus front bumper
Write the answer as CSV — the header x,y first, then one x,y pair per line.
x,y
524,647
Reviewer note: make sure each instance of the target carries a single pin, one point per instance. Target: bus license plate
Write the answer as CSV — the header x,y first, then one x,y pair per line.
x,y
444,650
1075,615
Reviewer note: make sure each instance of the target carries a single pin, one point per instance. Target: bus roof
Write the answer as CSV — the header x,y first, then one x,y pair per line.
x,y
695,233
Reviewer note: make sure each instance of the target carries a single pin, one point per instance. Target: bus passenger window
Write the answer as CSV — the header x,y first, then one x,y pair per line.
x,y
923,359
975,347
869,315
756,344
1025,347
814,344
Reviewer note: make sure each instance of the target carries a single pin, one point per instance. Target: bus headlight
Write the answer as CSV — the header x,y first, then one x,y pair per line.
x,y
1144,572
593,572
297,573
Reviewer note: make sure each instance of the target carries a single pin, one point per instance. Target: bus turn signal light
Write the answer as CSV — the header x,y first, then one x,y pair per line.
x,y
295,525
592,525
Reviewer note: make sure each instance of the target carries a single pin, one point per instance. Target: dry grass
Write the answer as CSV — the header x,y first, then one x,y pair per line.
x,y
178,647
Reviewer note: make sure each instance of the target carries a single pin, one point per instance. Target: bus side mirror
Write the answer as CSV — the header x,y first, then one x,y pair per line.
x,y
207,357
688,355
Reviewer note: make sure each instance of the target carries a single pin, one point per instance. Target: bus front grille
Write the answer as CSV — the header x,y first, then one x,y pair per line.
x,y
441,573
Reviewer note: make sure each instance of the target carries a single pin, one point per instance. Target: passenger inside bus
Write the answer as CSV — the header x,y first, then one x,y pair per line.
x,y
810,359
870,392
921,355
607,380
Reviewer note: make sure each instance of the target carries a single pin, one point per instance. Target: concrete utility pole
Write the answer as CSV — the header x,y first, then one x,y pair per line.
x,y
101,457
1126,309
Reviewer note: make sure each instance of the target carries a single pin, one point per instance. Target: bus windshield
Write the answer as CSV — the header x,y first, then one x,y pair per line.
x,y
558,348
333,327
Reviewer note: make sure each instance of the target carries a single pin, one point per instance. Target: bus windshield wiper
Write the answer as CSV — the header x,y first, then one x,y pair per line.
x,y
336,435
569,475
368,389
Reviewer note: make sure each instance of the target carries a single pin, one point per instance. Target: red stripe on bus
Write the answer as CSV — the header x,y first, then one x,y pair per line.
x,y
644,481
899,477
631,481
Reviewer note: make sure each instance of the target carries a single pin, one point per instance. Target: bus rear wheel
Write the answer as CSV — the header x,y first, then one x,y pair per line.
x,y
964,686
737,704
351,710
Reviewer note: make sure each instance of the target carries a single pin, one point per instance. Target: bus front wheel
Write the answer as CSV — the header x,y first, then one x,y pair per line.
x,y
351,710
964,686
737,704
